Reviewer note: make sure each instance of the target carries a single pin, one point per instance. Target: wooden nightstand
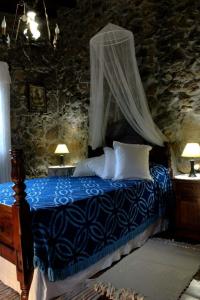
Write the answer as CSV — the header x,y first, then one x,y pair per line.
x,y
66,170
187,214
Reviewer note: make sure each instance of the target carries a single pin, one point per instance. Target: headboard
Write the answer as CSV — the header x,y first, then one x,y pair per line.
x,y
122,132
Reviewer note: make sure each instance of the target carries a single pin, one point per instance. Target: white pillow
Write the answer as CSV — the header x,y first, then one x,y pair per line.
x,y
96,165
82,169
131,161
109,166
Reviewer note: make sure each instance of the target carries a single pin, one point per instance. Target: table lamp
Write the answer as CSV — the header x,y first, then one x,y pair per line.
x,y
61,149
191,150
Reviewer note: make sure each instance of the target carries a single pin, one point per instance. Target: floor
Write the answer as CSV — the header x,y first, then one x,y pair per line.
x,y
191,293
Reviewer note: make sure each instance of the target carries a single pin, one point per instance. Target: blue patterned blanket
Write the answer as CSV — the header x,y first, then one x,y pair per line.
x,y
78,220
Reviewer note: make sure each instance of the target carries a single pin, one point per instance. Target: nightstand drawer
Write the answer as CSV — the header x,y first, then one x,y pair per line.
x,y
188,215
187,211
187,191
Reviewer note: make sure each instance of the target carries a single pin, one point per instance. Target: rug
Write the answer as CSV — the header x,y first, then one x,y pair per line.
x,y
159,270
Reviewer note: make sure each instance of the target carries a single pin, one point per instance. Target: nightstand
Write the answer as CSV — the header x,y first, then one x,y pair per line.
x,y
66,170
187,214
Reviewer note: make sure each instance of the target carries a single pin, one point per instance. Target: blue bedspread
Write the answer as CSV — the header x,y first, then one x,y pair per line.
x,y
78,220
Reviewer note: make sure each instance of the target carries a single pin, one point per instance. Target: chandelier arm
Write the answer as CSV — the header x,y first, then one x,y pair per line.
x,y
14,21
21,3
47,21
19,21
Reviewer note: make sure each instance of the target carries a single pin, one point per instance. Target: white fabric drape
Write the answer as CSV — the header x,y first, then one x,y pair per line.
x,y
115,76
5,135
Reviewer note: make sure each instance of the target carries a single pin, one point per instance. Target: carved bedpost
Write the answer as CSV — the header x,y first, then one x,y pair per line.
x,y
18,175
22,225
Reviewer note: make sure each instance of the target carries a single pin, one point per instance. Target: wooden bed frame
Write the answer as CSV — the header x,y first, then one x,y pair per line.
x,y
16,243
15,227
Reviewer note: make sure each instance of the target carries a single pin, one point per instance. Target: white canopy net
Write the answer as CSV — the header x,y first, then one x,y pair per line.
x,y
115,79
5,134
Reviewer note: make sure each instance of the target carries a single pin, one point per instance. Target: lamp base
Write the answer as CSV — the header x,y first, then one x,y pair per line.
x,y
61,160
192,170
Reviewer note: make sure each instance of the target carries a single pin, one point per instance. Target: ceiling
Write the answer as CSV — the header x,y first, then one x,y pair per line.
x,y
9,6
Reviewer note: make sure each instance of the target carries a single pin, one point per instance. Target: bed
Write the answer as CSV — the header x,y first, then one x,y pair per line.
x,y
85,221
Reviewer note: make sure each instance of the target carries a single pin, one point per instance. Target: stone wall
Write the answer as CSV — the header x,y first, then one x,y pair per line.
x,y
167,48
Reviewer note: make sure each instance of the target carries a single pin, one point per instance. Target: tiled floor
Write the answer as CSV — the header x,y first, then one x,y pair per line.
x,y
193,291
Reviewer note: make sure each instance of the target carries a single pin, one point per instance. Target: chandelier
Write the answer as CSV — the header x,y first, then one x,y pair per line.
x,y
26,23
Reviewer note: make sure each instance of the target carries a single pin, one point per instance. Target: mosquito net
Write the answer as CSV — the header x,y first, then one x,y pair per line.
x,y
115,80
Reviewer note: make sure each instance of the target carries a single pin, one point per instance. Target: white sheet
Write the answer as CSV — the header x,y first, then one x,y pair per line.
x,y
42,289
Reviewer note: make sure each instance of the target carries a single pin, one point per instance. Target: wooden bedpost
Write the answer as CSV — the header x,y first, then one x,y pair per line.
x,y
22,225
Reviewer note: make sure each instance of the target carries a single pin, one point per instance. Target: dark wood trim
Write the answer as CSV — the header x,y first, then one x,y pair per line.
x,y
22,233
15,227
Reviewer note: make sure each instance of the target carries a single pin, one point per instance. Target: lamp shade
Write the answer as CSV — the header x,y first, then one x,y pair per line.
x,y
191,150
61,149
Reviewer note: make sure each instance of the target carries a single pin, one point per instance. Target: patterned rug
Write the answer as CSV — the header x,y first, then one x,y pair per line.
x,y
7,293
86,294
